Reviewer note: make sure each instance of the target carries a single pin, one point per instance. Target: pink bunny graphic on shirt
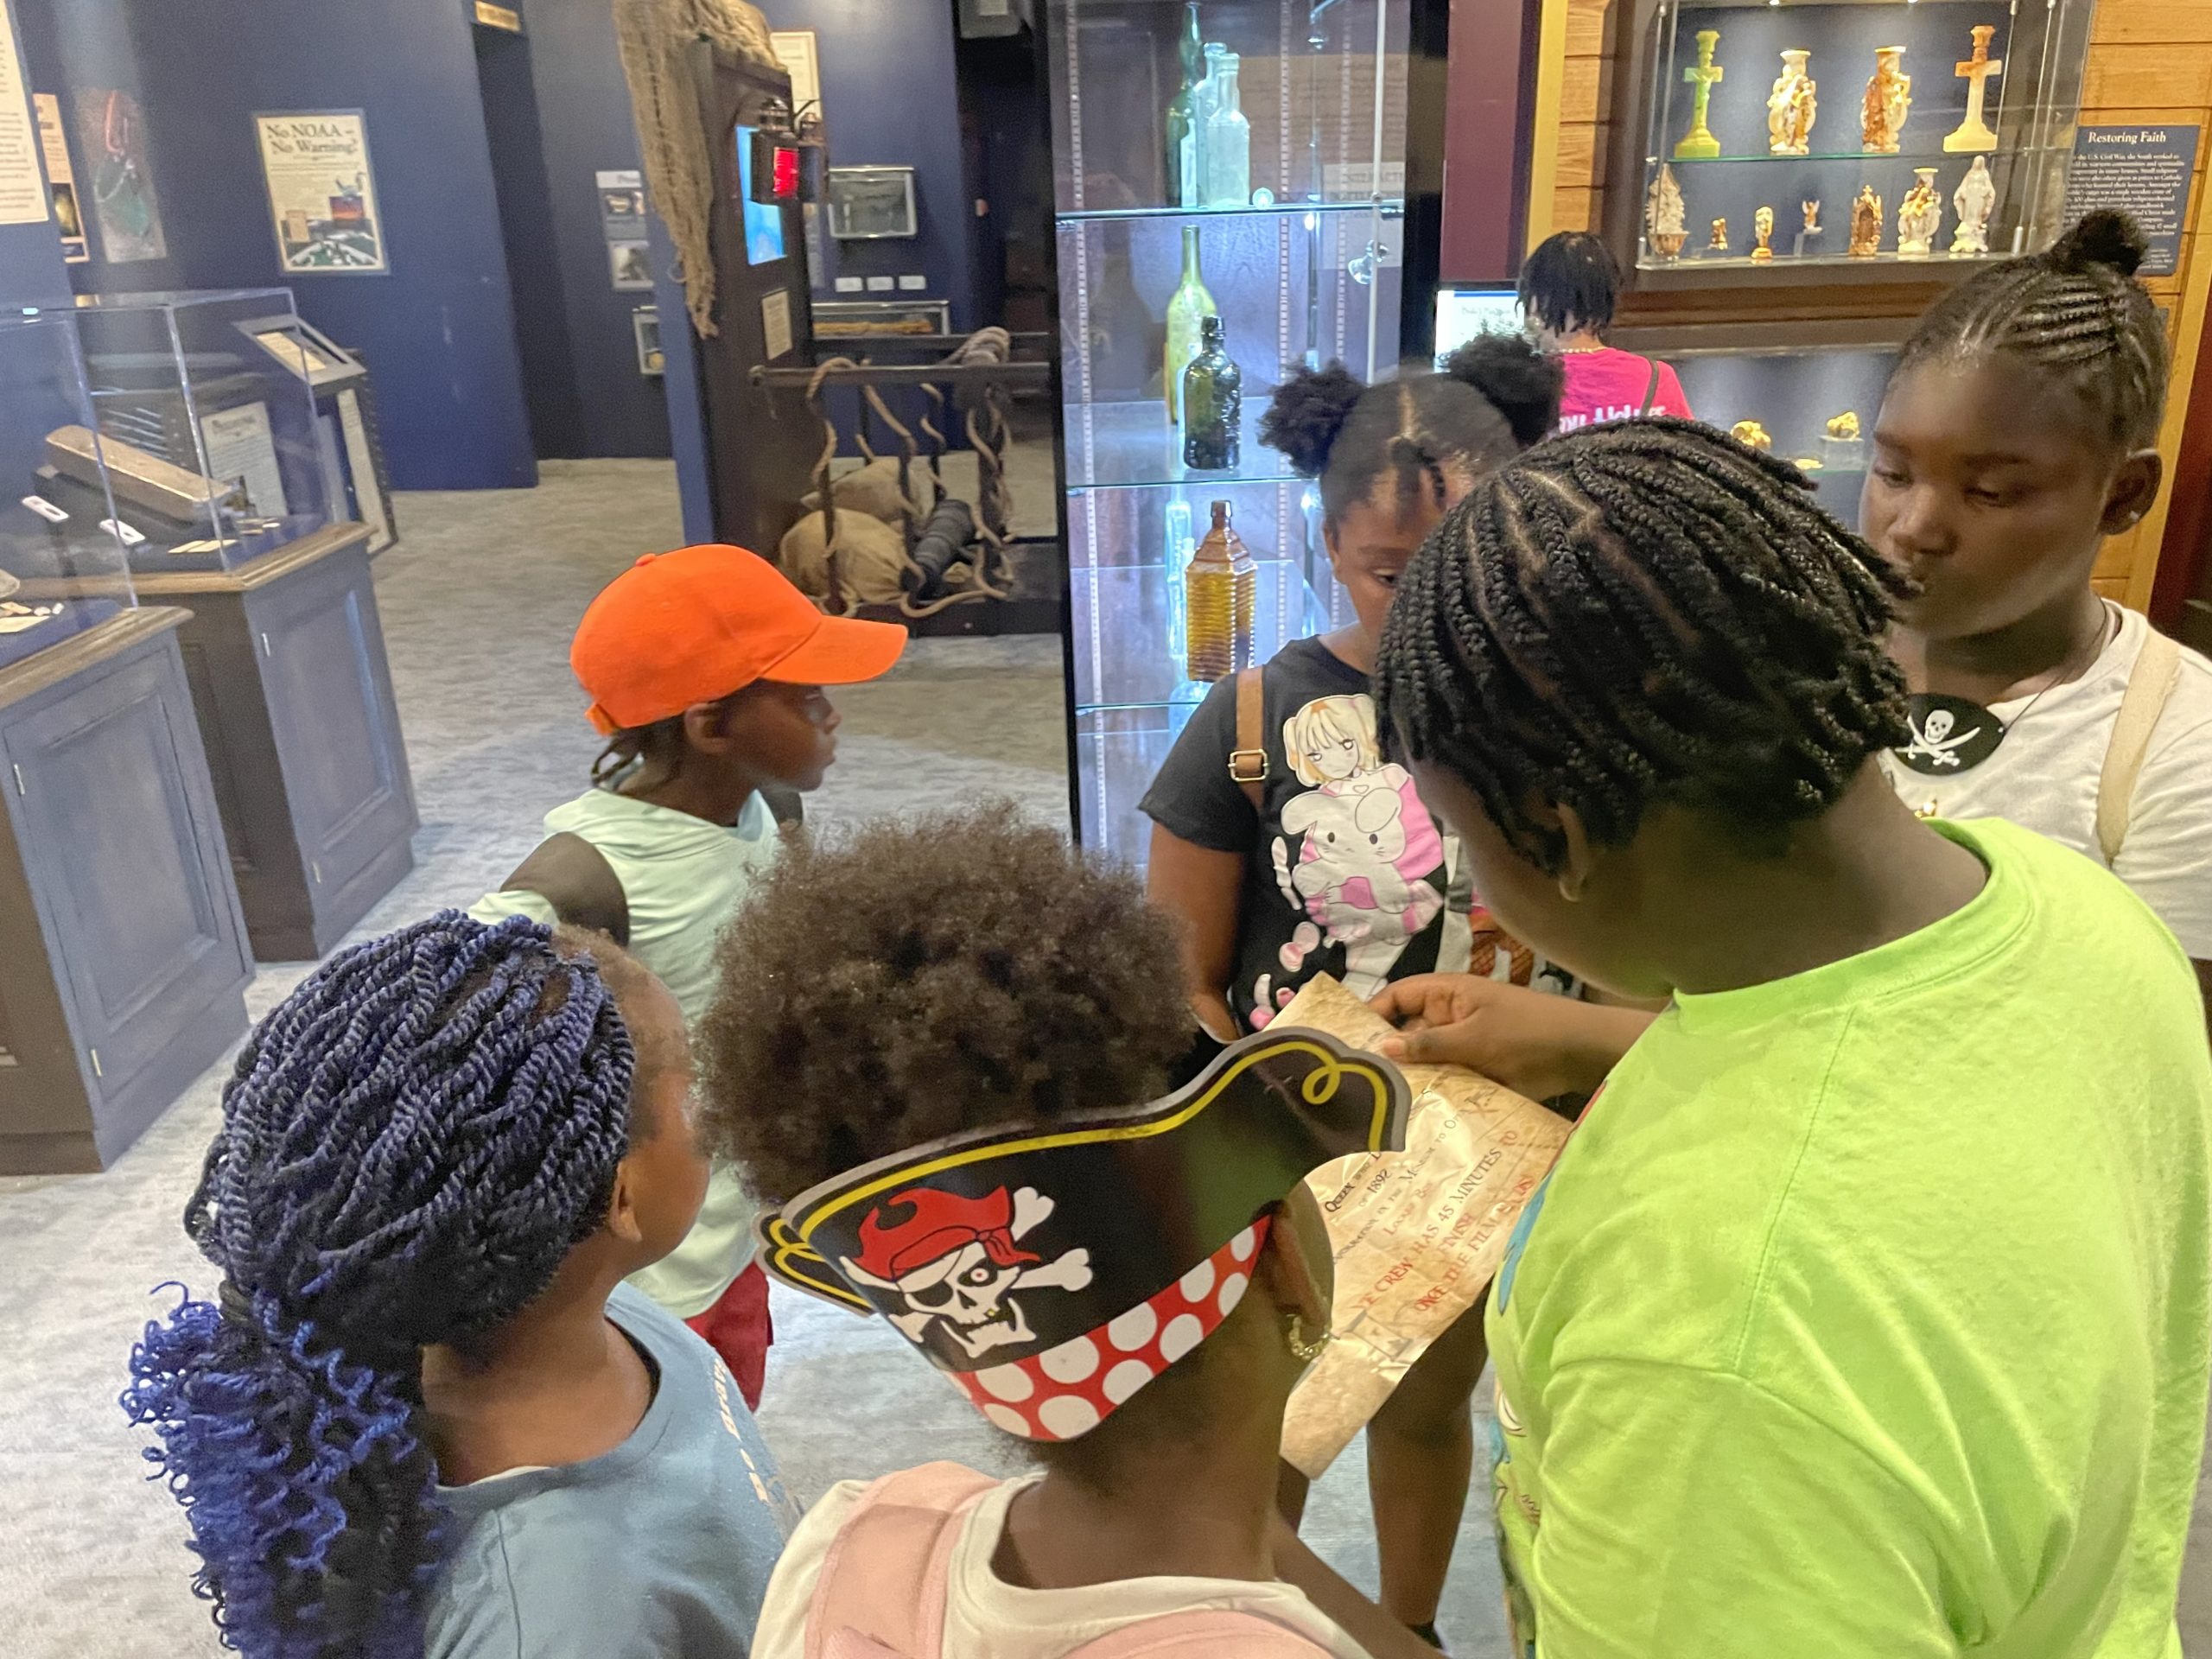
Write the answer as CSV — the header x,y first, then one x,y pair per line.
x,y
1367,845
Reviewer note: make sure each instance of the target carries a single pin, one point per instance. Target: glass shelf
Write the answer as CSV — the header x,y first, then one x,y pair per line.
x,y
1887,257
1131,446
1128,657
1392,207
1911,158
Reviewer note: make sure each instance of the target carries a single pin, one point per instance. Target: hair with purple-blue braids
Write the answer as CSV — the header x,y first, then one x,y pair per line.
x,y
411,1143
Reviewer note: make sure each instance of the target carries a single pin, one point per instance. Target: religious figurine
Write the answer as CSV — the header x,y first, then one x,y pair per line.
x,y
1865,223
1973,132
1763,228
1809,463
1719,243
1790,107
1698,145
1839,447
1919,215
1975,201
1663,215
1889,96
1812,212
1844,428
1751,432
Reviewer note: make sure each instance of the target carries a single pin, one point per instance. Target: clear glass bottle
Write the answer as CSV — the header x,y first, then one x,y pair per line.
x,y
1220,590
1228,142
1178,173
1190,305
1205,97
1178,545
1213,402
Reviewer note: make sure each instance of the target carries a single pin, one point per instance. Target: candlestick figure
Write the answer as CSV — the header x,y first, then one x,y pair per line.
x,y
1791,106
1889,96
1698,145
1973,132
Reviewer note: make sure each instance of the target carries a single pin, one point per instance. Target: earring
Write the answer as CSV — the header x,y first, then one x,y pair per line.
x,y
1569,889
1294,1330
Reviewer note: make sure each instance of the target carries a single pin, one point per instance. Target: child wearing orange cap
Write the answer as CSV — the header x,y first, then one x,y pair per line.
x,y
705,668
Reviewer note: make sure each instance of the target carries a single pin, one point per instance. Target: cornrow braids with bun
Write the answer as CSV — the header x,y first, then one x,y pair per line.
x,y
2075,312
1495,395
1644,614
411,1143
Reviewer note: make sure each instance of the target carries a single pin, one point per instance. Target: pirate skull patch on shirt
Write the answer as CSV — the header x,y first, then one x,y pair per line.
x,y
1053,1270
1949,734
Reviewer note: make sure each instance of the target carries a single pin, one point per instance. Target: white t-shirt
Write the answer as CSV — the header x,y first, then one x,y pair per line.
x,y
2045,775
986,1615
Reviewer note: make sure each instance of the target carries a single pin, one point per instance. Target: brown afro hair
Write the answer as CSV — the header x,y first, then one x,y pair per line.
x,y
913,979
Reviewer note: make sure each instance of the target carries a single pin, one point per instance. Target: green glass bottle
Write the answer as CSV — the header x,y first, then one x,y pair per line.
x,y
1178,187
1191,304
1213,402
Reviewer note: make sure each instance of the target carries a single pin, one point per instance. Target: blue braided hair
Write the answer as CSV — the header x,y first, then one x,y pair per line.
x,y
411,1143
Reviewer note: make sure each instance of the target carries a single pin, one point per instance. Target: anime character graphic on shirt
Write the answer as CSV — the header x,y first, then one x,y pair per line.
x,y
1367,846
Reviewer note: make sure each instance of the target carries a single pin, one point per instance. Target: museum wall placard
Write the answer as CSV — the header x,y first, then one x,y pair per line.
x,y
2148,67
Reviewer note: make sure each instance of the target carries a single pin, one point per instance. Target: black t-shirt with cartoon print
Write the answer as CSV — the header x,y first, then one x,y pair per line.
x,y
1346,871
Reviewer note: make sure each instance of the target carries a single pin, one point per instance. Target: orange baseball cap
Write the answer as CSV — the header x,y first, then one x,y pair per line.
x,y
692,626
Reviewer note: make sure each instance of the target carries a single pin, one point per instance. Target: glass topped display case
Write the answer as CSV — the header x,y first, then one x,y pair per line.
x,y
1842,140
62,567
209,429
1241,160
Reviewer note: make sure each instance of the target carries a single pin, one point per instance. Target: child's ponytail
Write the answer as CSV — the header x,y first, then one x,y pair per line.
x,y
1496,396
411,1144
1520,381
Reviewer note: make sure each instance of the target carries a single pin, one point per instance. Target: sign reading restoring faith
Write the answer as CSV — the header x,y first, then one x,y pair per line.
x,y
321,193
2143,171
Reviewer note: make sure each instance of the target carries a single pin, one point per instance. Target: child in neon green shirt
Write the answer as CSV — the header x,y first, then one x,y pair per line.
x,y
1868,1311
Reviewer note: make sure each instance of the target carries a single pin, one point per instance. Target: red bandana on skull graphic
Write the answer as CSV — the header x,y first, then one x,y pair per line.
x,y
954,1260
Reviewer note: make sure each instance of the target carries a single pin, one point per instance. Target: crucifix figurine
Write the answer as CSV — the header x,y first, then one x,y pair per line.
x,y
1973,132
1698,145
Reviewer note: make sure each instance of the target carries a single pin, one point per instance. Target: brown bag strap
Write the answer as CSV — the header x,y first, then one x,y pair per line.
x,y
2149,685
1247,761
1650,387
574,877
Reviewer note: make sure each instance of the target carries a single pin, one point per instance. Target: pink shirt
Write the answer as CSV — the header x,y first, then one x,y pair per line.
x,y
1608,385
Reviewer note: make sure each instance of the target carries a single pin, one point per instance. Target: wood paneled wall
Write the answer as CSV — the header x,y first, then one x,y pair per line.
x,y
2150,62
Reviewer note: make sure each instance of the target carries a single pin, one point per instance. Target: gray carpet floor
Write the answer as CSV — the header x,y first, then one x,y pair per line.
x,y
478,601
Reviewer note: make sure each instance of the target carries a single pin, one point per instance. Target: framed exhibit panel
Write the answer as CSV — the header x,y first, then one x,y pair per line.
x,y
1229,189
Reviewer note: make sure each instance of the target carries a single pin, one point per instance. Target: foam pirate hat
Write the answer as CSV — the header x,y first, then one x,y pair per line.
x,y
1053,1271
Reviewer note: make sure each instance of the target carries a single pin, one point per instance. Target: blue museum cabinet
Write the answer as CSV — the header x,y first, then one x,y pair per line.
x,y
123,951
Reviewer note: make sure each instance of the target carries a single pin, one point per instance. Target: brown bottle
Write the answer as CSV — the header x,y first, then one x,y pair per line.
x,y
1220,594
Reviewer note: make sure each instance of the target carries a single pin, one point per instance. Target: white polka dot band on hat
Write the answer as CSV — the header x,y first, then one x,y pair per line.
x,y
1053,1269
1069,1389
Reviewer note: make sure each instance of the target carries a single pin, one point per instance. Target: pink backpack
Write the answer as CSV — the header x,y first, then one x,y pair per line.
x,y
882,1590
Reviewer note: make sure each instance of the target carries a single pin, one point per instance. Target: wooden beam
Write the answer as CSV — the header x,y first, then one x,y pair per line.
x,y
2136,22
2175,75
1549,115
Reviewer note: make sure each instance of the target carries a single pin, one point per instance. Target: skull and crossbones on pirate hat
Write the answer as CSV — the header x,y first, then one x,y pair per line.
x,y
1053,1270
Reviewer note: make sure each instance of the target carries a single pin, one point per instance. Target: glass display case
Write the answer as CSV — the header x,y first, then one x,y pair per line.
x,y
210,432
62,566
1236,160
1860,141
1814,404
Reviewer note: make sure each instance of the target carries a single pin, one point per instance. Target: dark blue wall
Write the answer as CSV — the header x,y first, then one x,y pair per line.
x,y
438,332
585,109
890,96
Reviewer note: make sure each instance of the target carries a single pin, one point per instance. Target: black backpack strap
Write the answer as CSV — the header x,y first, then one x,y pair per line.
x,y
1651,389
574,877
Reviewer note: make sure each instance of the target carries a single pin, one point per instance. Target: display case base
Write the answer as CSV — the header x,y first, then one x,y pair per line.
x,y
289,679
125,969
